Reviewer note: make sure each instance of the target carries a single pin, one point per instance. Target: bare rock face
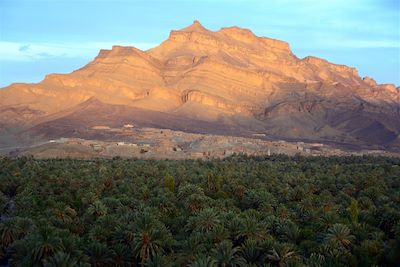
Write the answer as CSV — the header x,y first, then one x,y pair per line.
x,y
371,82
229,77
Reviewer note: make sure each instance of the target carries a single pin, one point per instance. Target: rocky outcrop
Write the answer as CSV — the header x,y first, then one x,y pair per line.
x,y
213,101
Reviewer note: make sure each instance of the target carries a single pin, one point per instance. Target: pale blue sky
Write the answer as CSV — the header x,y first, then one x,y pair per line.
x,y
49,36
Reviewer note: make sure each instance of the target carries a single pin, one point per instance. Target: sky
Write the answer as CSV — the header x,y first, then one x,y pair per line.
x,y
38,37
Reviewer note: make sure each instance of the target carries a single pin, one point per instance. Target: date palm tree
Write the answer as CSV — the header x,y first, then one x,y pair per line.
x,y
327,220
9,232
192,246
151,237
97,209
61,259
251,251
204,221
226,255
232,223
46,242
122,255
99,254
203,261
289,232
280,254
316,260
157,261
252,228
339,235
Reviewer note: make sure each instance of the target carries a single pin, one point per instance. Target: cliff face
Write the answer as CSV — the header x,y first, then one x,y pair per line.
x,y
219,77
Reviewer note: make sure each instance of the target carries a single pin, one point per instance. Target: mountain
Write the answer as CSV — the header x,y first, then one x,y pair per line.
x,y
228,82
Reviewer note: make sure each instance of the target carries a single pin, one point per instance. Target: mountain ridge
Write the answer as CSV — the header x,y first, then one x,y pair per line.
x,y
220,76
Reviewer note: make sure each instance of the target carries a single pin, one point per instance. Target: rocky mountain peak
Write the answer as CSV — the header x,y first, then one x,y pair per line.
x,y
369,81
232,76
194,27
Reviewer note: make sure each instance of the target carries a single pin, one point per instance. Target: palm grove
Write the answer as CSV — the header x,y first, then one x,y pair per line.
x,y
260,211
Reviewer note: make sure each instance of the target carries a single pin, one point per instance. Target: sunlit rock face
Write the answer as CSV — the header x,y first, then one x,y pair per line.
x,y
229,76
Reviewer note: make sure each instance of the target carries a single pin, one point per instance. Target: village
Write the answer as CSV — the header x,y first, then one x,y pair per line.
x,y
129,141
